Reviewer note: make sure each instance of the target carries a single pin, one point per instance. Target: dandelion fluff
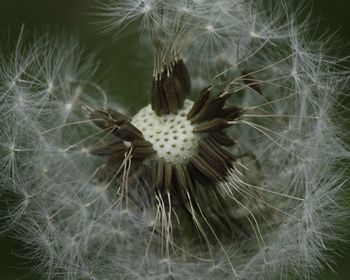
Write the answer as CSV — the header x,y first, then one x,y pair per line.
x,y
257,196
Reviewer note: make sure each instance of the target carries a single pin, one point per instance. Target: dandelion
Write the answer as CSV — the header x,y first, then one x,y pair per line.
x,y
233,171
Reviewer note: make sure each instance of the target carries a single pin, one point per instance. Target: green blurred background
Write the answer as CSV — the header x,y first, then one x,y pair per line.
x,y
120,65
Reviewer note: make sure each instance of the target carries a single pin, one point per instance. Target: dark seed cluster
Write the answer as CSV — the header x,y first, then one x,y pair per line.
x,y
170,88
127,140
206,118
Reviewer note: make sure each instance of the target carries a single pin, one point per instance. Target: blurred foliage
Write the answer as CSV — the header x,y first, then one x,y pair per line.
x,y
120,61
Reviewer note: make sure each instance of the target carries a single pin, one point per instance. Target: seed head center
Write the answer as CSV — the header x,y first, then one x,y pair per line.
x,y
171,135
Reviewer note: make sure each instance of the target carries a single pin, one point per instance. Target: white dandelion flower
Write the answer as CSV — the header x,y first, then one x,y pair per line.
x,y
241,179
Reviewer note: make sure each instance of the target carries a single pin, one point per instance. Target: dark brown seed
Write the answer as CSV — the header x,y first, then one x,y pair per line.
x,y
217,167
153,170
164,108
183,183
142,143
180,92
171,93
189,179
199,177
183,75
251,82
222,138
142,152
116,160
215,161
110,148
128,132
155,100
205,168
168,173
159,182
211,155
199,102
116,123
101,119
222,152
107,119
180,176
211,108
116,115
212,125
230,113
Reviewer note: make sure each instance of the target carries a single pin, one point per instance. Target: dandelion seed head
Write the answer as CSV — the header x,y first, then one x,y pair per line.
x,y
254,190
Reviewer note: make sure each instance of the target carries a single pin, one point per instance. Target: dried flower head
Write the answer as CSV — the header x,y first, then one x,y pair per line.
x,y
231,172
